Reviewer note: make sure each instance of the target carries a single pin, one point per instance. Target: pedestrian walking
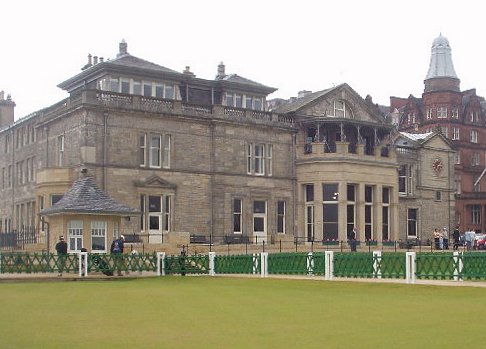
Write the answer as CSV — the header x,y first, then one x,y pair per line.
x,y
61,249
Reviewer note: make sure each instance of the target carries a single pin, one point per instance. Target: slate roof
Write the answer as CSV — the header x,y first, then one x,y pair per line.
x,y
128,60
241,80
300,102
84,197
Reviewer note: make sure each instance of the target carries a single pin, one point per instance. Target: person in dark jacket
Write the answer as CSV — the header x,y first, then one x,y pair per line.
x,y
61,249
456,235
116,249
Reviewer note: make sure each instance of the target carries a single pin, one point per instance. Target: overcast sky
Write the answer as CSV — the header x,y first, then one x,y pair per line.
x,y
381,48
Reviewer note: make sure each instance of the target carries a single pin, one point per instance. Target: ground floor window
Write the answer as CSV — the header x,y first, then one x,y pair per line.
x,y
98,236
237,226
75,236
412,222
476,214
309,222
259,218
280,217
156,213
386,223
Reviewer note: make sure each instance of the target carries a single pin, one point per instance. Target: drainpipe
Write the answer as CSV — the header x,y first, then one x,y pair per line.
x,y
13,177
211,182
294,184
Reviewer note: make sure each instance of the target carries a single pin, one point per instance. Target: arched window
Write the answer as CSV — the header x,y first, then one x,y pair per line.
x,y
342,110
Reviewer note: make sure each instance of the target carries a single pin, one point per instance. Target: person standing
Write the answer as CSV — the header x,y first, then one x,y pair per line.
x,y
61,249
116,249
445,238
436,236
456,235
352,239
469,239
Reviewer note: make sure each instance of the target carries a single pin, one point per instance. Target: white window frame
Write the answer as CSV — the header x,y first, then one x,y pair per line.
x,y
98,230
269,158
142,150
456,133
237,215
259,159
167,213
166,147
475,159
249,156
75,235
309,215
60,150
474,136
429,113
410,220
155,153
441,112
260,215
125,81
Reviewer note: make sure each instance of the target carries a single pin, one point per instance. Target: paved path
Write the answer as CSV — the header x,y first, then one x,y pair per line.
x,y
100,277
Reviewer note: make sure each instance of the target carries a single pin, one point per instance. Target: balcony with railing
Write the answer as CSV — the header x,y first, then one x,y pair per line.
x,y
319,150
158,105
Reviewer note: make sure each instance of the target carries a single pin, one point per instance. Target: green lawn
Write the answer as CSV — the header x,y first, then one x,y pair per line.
x,y
204,312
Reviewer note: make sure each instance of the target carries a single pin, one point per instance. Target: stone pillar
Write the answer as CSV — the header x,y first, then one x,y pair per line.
x,y
318,218
360,210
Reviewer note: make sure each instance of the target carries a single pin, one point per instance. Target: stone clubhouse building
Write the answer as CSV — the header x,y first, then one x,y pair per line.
x,y
175,155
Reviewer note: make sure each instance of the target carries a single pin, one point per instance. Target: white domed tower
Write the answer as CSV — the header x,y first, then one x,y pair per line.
x,y
441,75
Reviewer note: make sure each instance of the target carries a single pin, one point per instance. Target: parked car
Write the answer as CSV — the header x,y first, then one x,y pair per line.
x,y
480,241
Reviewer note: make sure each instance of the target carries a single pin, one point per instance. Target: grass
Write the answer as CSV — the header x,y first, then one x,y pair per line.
x,y
204,312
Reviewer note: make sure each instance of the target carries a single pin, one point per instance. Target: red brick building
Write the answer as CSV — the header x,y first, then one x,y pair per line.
x,y
460,116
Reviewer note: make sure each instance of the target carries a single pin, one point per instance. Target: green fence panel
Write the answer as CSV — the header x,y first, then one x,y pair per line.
x,y
436,266
288,263
319,262
353,264
38,263
474,266
142,262
392,265
186,264
237,264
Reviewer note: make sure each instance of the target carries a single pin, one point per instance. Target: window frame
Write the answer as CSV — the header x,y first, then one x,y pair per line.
x,y
281,215
474,136
98,232
441,112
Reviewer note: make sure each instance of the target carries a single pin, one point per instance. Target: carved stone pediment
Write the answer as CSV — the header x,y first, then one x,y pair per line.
x,y
154,182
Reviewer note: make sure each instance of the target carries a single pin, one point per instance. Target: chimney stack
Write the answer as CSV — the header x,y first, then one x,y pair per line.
x,y
95,60
6,110
122,48
187,71
221,73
